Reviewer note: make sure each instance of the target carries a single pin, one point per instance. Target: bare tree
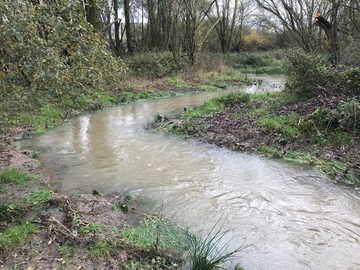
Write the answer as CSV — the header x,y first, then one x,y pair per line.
x,y
294,16
226,15
128,30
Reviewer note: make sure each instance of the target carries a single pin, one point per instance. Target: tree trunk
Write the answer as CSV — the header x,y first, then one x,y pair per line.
x,y
118,41
128,26
93,14
330,32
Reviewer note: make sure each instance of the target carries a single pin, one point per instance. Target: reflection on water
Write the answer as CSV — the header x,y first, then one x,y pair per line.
x,y
293,217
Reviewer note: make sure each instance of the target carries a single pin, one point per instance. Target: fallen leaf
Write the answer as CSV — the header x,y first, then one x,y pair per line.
x,y
123,255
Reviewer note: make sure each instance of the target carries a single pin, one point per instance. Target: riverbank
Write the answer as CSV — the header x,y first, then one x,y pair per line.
x,y
42,227
270,125
65,231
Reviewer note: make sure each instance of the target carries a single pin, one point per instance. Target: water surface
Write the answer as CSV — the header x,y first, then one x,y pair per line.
x,y
293,216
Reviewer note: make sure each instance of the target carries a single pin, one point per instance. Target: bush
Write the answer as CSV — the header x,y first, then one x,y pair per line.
x,y
152,64
338,121
308,74
210,62
259,63
349,81
312,74
50,54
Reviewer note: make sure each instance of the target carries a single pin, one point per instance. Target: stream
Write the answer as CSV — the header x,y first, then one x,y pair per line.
x,y
290,215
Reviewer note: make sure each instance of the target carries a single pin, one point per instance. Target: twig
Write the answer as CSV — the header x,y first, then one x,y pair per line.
x,y
58,222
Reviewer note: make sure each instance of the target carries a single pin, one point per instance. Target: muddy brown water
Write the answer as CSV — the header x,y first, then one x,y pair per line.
x,y
292,216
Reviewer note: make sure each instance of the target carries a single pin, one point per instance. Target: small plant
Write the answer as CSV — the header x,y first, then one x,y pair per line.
x,y
92,229
65,250
66,253
122,206
154,232
35,154
14,175
16,236
39,196
99,249
206,253
129,198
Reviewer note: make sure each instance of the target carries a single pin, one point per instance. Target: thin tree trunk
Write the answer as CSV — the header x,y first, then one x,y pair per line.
x,y
128,26
117,29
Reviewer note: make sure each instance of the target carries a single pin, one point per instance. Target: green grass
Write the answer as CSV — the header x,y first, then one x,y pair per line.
x,y
10,212
65,250
16,176
16,236
92,229
225,77
207,87
269,151
68,255
217,104
39,196
99,249
209,253
148,233
201,253
286,124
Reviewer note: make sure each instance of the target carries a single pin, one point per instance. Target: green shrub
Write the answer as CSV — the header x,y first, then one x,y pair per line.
x,y
257,62
342,119
349,81
50,55
308,74
152,64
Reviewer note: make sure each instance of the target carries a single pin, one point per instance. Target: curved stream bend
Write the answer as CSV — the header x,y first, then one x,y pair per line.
x,y
293,217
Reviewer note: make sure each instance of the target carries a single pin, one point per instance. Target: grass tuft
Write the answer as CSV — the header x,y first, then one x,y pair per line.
x,y
14,175
208,253
148,233
16,236
39,196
